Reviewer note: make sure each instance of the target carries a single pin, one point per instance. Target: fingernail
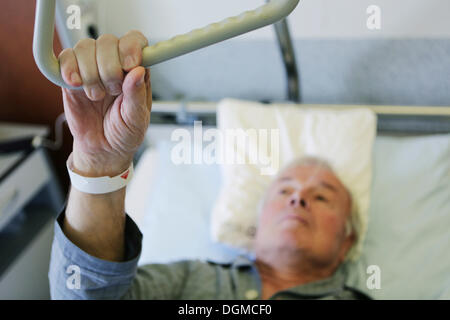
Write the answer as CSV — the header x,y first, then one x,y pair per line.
x,y
129,62
140,82
75,78
96,92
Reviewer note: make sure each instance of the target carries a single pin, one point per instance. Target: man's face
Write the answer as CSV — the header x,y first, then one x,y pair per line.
x,y
305,211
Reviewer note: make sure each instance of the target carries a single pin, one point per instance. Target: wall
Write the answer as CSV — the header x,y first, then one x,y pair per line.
x,y
25,94
340,60
311,18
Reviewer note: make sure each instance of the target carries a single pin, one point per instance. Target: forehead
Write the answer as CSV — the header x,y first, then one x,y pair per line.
x,y
313,175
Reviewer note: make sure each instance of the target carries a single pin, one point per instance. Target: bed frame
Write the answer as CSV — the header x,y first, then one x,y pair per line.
x,y
397,120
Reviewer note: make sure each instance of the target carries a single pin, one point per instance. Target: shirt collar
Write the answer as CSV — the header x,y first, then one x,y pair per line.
x,y
327,286
332,284
243,261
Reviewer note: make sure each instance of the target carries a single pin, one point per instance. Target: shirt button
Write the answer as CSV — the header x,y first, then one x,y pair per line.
x,y
251,294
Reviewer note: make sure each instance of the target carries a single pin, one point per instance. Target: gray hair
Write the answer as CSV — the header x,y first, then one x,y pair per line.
x,y
353,223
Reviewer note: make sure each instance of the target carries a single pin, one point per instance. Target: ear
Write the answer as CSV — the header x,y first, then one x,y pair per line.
x,y
346,246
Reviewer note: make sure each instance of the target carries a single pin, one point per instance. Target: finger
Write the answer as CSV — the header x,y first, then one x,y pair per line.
x,y
148,83
108,63
135,89
130,49
87,64
69,68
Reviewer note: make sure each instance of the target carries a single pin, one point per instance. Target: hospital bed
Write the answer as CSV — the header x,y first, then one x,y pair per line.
x,y
409,215
410,210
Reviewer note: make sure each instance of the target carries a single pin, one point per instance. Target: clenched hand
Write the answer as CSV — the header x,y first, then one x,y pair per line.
x,y
109,117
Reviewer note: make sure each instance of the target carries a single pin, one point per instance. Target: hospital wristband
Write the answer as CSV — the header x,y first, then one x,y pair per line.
x,y
98,185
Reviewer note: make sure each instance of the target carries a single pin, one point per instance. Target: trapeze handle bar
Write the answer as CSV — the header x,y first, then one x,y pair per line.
x,y
196,39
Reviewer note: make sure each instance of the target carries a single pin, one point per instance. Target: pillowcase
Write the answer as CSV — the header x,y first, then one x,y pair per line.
x,y
408,235
344,138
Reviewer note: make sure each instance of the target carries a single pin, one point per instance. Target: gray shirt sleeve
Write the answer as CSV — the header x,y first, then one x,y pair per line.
x,y
159,281
74,274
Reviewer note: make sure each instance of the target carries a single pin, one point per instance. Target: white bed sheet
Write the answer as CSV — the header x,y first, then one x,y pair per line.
x,y
412,191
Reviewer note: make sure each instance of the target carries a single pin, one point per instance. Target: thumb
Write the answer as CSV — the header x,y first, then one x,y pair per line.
x,y
134,89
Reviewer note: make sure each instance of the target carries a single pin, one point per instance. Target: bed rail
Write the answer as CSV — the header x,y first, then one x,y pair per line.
x,y
399,120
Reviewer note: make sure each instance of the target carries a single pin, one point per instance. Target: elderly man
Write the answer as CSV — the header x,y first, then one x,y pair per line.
x,y
303,234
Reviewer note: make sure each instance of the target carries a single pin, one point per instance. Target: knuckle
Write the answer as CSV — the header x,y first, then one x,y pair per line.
x,y
134,32
127,47
84,44
107,38
63,55
136,37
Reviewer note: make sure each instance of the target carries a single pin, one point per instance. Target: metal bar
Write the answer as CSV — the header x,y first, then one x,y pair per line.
x,y
165,50
288,56
403,120
210,107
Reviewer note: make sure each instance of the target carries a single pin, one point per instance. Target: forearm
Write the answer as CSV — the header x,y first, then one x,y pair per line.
x,y
108,120
96,222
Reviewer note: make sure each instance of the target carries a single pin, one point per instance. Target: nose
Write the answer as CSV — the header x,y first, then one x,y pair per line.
x,y
297,200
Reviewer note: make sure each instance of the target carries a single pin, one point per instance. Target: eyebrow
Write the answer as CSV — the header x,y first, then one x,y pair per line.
x,y
328,186
284,179
322,183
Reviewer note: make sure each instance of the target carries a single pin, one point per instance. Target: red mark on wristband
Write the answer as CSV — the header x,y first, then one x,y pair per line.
x,y
125,175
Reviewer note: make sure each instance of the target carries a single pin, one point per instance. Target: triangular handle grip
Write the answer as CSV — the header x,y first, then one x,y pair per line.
x,y
267,14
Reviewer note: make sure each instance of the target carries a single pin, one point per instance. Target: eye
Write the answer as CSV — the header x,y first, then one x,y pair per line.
x,y
321,198
283,191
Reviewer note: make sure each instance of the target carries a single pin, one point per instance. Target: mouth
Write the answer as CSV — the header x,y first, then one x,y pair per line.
x,y
295,217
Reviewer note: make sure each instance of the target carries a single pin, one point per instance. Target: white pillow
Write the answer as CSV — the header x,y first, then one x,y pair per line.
x,y
344,138
408,235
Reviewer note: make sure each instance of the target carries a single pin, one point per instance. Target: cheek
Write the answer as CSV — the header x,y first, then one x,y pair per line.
x,y
270,211
328,223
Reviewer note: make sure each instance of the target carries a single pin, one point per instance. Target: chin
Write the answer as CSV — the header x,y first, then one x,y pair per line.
x,y
290,240
287,237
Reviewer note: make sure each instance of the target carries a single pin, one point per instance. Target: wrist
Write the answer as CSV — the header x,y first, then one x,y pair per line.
x,y
100,166
98,181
